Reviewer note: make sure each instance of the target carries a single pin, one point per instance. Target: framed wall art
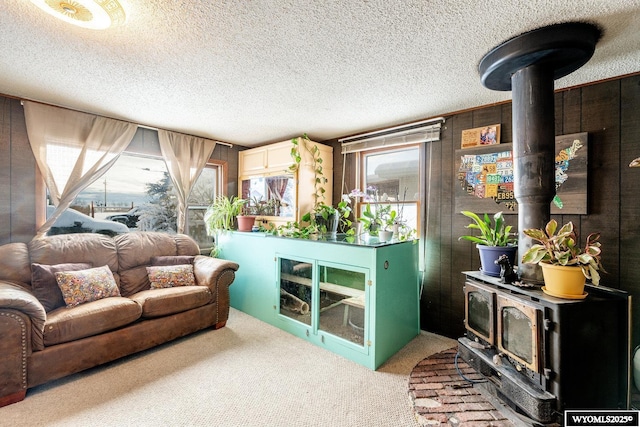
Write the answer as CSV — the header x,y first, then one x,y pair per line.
x,y
485,177
480,137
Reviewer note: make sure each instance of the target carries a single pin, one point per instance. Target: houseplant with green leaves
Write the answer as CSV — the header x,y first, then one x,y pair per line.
x,y
323,219
558,250
372,219
494,239
221,216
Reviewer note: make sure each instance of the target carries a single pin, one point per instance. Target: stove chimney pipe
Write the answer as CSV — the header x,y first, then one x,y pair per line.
x,y
528,64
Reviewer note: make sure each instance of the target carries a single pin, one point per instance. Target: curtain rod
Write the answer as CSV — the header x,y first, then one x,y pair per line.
x,y
137,124
197,136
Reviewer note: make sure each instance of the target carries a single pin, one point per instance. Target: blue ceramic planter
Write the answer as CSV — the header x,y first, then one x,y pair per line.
x,y
489,254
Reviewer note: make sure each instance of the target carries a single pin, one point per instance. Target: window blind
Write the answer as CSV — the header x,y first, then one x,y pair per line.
x,y
425,131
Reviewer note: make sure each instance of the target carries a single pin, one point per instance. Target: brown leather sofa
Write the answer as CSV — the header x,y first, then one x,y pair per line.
x,y
40,342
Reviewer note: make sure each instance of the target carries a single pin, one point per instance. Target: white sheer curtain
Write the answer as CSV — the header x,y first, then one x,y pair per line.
x,y
84,146
185,156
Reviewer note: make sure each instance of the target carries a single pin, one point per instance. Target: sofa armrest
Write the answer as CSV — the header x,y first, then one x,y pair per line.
x,y
17,298
15,349
217,274
22,320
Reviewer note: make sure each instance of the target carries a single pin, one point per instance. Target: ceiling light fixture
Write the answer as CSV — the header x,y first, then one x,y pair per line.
x,y
92,14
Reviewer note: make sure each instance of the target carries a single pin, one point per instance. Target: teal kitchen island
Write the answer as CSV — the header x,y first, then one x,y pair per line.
x,y
359,300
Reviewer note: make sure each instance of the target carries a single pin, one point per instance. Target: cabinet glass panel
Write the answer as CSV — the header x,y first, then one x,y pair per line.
x,y
342,303
296,290
270,195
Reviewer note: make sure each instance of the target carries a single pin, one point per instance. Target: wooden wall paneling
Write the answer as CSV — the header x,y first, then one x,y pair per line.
x,y
23,178
452,286
338,161
450,226
5,171
233,166
558,113
464,255
569,119
464,252
601,118
629,200
229,155
506,131
432,296
486,116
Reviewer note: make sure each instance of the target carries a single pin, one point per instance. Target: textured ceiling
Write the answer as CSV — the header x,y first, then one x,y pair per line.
x,y
257,71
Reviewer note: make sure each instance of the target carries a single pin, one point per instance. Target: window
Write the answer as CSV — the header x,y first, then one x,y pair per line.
x,y
202,195
137,194
394,175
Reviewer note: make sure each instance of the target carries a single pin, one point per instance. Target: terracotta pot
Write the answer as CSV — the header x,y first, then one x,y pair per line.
x,y
563,281
489,255
246,222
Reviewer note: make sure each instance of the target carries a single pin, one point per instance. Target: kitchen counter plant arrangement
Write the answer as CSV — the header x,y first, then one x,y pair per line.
x,y
494,240
558,254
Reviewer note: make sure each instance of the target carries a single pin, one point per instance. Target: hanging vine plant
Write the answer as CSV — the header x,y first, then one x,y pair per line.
x,y
318,173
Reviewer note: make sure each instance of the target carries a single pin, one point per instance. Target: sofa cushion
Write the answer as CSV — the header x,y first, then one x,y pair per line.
x,y
137,248
169,276
15,264
94,248
68,324
172,260
44,284
134,280
162,302
84,286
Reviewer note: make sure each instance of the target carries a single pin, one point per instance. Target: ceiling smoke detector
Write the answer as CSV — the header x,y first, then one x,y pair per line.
x,y
92,14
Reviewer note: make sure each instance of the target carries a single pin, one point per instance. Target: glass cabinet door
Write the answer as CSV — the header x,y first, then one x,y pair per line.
x,y
296,289
342,303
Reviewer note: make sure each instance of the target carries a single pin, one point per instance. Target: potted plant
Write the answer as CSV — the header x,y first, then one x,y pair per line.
x,y
388,224
247,217
323,219
326,218
558,253
495,239
221,214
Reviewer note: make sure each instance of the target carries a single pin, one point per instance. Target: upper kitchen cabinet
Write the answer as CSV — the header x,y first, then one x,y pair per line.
x,y
277,194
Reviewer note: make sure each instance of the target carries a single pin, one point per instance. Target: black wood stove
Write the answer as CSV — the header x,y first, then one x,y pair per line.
x,y
543,355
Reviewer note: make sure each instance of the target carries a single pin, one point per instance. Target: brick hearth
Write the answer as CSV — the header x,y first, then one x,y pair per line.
x,y
440,396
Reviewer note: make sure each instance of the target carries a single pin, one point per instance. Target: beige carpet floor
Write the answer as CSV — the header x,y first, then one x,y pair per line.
x,y
246,374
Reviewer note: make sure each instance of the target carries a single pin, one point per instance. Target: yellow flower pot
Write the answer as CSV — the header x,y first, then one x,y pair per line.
x,y
563,281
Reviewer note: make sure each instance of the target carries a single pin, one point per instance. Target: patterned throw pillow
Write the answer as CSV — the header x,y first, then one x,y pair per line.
x,y
171,275
44,284
87,285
